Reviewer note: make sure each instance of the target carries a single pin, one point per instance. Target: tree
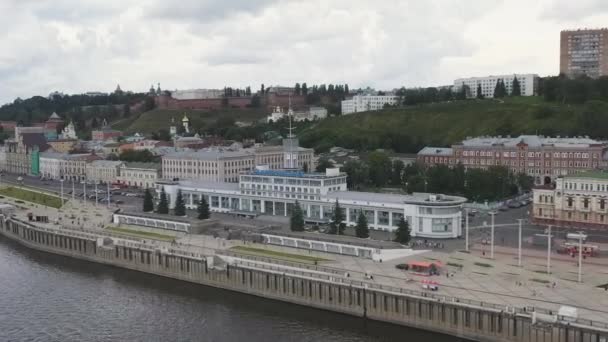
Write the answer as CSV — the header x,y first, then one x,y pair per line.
x,y
180,206
148,201
479,92
203,209
296,223
324,164
380,168
337,225
297,89
305,167
402,235
362,230
397,173
516,88
262,89
304,89
500,90
163,204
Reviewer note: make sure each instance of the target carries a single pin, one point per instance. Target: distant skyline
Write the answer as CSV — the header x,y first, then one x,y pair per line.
x,y
80,46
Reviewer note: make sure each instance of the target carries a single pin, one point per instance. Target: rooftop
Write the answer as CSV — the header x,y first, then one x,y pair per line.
x,y
142,165
419,198
290,173
203,184
530,140
106,163
208,155
436,151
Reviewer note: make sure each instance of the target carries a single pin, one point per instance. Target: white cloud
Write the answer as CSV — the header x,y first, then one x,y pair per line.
x,y
76,46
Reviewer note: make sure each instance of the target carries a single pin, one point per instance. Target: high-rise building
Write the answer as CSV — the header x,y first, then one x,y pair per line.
x,y
582,52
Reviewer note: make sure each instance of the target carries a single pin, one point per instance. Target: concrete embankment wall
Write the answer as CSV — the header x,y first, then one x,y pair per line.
x,y
453,318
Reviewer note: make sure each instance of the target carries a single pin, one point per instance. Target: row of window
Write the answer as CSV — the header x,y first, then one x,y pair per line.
x,y
511,154
586,186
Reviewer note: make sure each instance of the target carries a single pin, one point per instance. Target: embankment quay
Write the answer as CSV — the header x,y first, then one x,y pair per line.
x,y
463,318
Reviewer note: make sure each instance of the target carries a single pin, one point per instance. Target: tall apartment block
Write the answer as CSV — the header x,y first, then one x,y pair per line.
x,y
583,52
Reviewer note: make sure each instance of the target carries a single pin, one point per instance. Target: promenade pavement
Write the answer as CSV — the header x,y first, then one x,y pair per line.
x,y
470,275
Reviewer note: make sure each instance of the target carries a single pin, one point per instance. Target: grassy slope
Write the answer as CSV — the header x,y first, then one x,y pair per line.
x,y
156,119
445,123
32,196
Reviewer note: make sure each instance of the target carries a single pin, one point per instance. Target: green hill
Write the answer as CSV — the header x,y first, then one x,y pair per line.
x,y
408,129
152,121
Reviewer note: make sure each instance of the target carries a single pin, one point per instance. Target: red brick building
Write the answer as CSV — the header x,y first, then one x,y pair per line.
x,y
540,157
167,102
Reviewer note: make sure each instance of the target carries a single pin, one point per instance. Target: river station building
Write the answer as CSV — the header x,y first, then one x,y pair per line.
x,y
274,192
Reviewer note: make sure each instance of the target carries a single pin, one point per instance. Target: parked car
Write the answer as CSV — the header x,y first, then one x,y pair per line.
x,y
131,195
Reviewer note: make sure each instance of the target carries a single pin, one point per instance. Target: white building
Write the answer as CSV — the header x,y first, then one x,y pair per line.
x,y
366,103
103,171
310,114
274,192
69,132
577,201
195,94
528,84
142,175
63,165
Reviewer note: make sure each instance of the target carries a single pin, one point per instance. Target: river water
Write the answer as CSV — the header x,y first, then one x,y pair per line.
x,y
44,297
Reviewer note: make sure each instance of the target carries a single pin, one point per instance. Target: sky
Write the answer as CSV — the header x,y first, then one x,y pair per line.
x,y
76,46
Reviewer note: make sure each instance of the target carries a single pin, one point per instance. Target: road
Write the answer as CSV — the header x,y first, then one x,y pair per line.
x,y
128,203
505,232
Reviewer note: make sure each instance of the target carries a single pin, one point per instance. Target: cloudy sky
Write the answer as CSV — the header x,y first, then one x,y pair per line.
x,y
75,46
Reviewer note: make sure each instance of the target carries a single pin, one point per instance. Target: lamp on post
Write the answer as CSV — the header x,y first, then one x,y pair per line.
x,y
519,243
61,181
466,228
492,213
580,257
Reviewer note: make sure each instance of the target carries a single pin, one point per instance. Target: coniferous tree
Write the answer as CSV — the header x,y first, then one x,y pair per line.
x,y
148,201
337,224
516,88
296,223
497,89
203,209
403,232
163,204
180,206
479,92
362,230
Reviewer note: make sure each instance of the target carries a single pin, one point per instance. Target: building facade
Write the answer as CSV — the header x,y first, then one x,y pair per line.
x,y
103,171
543,158
211,165
576,201
23,152
584,52
528,84
366,103
63,145
274,192
141,175
66,166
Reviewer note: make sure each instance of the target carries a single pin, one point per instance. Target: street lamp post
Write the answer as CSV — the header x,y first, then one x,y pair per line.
x,y
492,236
519,244
108,184
466,228
73,190
96,201
580,257
61,181
549,251
84,191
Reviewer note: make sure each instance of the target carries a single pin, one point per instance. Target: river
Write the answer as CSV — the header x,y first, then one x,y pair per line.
x,y
44,297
